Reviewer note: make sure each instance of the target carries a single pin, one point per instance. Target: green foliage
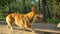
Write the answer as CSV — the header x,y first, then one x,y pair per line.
x,y
19,6
54,9
56,21
2,18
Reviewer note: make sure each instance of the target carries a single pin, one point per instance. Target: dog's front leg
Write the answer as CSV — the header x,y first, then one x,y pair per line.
x,y
29,27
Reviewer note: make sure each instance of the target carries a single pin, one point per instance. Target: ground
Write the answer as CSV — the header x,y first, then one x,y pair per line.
x,y
39,27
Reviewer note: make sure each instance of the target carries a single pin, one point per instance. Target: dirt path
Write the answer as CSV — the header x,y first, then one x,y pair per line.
x,y
5,30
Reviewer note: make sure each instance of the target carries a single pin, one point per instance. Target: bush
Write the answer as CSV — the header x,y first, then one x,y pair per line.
x,y
56,21
2,18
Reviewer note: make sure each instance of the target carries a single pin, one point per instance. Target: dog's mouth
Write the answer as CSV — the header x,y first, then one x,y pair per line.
x,y
41,20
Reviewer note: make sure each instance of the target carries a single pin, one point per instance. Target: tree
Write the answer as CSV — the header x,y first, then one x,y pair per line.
x,y
6,3
44,9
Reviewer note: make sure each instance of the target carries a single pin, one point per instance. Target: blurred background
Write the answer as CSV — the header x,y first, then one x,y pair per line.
x,y
49,8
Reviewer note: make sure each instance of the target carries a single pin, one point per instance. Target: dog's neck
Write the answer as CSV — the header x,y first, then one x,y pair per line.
x,y
30,15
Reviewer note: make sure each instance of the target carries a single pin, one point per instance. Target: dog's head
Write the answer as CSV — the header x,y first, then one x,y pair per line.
x,y
38,15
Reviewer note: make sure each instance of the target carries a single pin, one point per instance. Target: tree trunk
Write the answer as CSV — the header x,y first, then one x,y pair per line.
x,y
47,9
44,9
39,4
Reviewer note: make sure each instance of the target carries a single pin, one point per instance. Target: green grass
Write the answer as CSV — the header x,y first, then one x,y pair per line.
x,y
55,21
2,18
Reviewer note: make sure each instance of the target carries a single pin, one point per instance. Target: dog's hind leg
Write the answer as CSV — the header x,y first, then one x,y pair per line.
x,y
10,26
10,23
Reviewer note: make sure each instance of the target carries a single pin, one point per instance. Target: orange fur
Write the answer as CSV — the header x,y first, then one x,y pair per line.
x,y
22,20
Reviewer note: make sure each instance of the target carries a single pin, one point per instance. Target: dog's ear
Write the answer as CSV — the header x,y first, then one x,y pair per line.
x,y
33,9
